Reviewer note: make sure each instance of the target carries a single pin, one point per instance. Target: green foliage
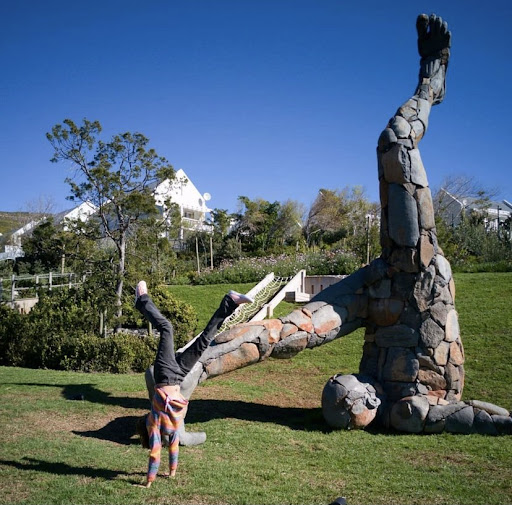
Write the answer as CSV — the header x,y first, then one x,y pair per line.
x,y
43,249
118,353
13,329
61,332
149,252
262,227
470,247
182,315
344,218
254,269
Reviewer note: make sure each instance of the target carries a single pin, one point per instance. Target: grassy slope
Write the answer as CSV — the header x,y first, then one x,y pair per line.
x,y
10,221
267,442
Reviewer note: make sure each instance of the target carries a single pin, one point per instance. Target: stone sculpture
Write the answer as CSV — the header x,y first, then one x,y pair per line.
x,y
413,359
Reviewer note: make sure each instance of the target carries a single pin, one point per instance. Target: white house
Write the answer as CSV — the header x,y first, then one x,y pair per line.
x,y
181,191
452,209
191,203
80,213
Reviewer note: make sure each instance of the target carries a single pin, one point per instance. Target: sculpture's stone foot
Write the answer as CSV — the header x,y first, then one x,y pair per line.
x,y
191,438
434,40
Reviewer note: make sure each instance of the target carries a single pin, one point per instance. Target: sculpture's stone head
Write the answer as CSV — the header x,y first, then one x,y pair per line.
x,y
349,402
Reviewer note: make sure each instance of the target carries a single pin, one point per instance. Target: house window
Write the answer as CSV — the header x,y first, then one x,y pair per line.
x,y
188,214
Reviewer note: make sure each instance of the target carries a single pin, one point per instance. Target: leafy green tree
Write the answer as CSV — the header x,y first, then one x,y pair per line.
x,y
150,253
288,226
344,218
43,248
117,176
255,223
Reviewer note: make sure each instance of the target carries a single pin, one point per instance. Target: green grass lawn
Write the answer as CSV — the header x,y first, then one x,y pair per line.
x,y
267,442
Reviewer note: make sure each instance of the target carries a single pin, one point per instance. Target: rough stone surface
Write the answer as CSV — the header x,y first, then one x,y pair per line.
x,y
299,319
441,353
403,217
396,164
288,329
240,331
245,355
431,334
484,424
409,414
456,355
439,313
386,139
400,127
380,289
396,336
418,174
432,379
427,361
326,319
426,209
443,268
452,326
385,311
290,346
490,408
427,251
401,365
461,421
503,424
423,289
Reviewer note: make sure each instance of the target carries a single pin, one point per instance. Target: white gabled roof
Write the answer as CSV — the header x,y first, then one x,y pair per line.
x,y
82,212
182,192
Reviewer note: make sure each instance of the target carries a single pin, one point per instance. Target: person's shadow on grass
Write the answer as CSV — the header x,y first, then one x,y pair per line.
x,y
90,393
58,468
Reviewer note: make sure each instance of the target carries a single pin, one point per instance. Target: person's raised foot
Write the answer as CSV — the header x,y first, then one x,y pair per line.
x,y
434,41
140,289
239,298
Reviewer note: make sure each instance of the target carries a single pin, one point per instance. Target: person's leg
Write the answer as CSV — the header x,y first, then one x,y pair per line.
x,y
166,369
189,357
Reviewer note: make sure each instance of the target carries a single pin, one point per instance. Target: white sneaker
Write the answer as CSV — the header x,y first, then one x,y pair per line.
x,y
239,298
140,289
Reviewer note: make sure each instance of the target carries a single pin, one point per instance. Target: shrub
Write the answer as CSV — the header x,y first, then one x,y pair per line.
x,y
182,315
61,333
118,353
254,269
13,331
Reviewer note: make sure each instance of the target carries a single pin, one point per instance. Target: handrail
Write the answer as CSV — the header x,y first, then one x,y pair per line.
x,y
36,282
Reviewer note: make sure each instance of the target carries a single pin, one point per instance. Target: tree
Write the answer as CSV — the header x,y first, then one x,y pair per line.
x,y
116,176
255,223
342,215
43,249
461,187
289,223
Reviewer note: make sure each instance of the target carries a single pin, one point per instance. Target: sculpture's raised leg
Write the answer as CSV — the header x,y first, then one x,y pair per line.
x,y
412,352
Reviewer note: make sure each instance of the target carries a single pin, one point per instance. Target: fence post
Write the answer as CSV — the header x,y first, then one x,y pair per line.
x,y
101,322
13,285
50,281
1,289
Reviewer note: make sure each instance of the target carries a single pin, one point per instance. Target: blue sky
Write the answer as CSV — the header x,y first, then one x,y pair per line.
x,y
263,98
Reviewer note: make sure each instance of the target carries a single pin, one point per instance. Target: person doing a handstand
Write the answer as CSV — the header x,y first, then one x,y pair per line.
x,y
168,406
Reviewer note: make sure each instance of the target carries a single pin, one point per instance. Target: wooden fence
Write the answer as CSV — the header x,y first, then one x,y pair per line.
x,y
19,287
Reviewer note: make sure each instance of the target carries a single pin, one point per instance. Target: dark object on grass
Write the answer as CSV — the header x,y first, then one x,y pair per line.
x,y
339,501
